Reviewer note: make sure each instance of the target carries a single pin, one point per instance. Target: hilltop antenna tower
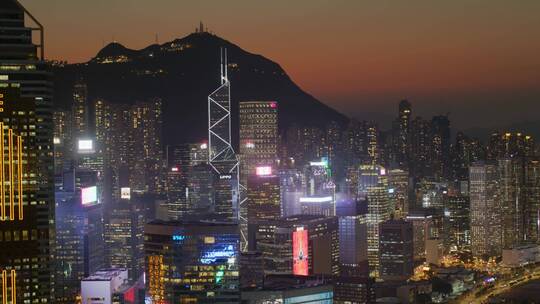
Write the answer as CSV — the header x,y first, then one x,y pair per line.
x,y
229,197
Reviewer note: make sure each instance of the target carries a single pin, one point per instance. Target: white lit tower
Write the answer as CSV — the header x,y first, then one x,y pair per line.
x,y
227,197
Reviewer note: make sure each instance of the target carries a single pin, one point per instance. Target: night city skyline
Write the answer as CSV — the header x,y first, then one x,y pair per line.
x,y
358,57
275,153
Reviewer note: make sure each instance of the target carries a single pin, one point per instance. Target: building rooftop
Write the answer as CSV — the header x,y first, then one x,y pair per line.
x,y
206,221
291,282
105,274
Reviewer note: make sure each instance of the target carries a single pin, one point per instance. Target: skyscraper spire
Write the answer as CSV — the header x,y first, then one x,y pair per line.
x,y
228,194
223,65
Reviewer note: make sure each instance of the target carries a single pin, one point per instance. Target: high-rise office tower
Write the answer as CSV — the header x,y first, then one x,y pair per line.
x,y
373,143
124,236
129,137
373,187
263,194
292,189
228,195
148,123
178,203
79,237
188,179
355,142
426,224
332,149
486,217
27,200
457,222
79,110
440,146
258,135
63,144
512,201
192,262
465,151
300,245
402,142
353,238
396,250
420,147
532,204
398,192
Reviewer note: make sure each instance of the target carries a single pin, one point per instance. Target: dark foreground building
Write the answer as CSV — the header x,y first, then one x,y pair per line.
x,y
26,188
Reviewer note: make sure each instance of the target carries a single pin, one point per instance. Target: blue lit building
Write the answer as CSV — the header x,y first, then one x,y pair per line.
x,y
192,262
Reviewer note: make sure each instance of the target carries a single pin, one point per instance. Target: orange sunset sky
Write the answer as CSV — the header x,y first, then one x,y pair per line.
x,y
361,57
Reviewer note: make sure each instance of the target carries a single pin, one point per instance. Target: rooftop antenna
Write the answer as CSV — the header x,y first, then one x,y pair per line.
x,y
225,66
221,64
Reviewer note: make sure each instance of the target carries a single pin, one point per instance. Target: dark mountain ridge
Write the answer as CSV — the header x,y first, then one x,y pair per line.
x,y
182,73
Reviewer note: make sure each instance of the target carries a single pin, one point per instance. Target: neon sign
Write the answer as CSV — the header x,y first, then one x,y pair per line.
x,y
178,237
213,255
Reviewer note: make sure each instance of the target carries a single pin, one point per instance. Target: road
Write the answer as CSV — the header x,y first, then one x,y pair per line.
x,y
500,287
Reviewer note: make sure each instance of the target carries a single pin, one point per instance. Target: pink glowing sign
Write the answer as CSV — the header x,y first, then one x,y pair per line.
x,y
262,171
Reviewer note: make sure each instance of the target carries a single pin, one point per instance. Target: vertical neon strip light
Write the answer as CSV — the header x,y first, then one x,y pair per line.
x,y
20,176
13,288
4,287
10,165
3,197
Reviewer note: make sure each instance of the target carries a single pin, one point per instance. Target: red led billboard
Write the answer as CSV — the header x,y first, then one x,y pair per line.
x,y
300,252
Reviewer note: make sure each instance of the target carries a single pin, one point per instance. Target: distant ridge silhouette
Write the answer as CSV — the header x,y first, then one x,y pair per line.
x,y
182,73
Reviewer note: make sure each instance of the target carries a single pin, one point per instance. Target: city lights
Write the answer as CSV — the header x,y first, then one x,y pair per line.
x,y
137,173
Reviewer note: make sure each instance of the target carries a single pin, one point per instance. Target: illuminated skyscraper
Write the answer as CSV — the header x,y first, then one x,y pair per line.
x,y
188,180
27,200
129,136
80,112
353,238
532,186
403,140
258,134
301,245
398,192
512,200
63,145
420,147
396,250
79,237
124,236
192,262
292,189
263,194
486,217
373,187
373,143
440,146
227,199
457,213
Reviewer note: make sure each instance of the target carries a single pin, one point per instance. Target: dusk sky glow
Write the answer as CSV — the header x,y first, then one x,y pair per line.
x,y
357,56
